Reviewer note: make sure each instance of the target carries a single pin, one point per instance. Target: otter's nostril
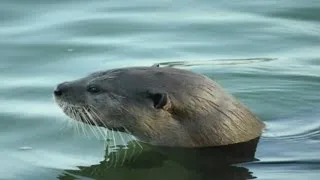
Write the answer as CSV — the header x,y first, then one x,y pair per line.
x,y
60,89
57,92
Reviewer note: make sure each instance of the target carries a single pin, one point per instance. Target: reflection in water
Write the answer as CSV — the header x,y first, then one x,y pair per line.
x,y
171,163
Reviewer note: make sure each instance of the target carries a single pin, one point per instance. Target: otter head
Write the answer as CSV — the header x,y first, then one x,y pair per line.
x,y
127,100
90,101
160,106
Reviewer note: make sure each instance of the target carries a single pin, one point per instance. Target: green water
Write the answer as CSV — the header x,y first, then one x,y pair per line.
x,y
43,43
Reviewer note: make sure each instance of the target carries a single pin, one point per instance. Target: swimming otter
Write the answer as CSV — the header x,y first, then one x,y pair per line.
x,y
160,106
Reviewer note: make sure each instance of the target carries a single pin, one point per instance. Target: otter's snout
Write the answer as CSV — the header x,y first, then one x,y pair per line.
x,y
57,92
69,92
60,89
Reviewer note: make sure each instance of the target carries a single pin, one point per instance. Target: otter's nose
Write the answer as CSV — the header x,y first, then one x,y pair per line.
x,y
57,92
59,89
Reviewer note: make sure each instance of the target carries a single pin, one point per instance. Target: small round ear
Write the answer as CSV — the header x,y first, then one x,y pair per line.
x,y
160,100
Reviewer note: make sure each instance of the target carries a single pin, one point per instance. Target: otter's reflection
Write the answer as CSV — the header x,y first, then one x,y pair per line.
x,y
172,163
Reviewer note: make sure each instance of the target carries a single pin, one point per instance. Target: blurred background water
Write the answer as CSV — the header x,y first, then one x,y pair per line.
x,y
266,53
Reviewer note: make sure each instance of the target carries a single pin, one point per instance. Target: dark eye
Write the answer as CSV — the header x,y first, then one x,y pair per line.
x,y
93,89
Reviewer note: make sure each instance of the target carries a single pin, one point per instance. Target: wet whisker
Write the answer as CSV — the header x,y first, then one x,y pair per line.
x,y
86,120
125,147
75,123
95,114
94,120
115,148
80,118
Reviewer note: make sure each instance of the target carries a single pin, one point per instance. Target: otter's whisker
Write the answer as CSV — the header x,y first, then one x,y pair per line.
x,y
75,124
105,142
133,144
125,148
81,121
96,123
71,122
106,134
70,112
109,154
85,122
141,147
95,113
134,139
112,159
97,129
122,139
64,125
87,119
115,148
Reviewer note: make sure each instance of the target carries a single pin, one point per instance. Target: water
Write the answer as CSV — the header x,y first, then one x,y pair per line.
x,y
44,43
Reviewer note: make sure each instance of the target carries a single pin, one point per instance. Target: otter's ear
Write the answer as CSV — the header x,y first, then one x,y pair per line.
x,y
160,100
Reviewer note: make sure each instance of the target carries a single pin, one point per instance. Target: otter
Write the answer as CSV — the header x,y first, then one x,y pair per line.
x,y
160,106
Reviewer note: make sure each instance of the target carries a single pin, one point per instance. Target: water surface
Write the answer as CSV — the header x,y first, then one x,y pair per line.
x,y
266,53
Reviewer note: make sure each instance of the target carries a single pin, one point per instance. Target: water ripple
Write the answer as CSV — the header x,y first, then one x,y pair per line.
x,y
215,62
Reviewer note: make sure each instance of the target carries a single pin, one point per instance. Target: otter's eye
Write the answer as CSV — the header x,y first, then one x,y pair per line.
x,y
93,89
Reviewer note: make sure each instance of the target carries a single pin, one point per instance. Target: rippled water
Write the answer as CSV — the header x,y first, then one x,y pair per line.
x,y
266,53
